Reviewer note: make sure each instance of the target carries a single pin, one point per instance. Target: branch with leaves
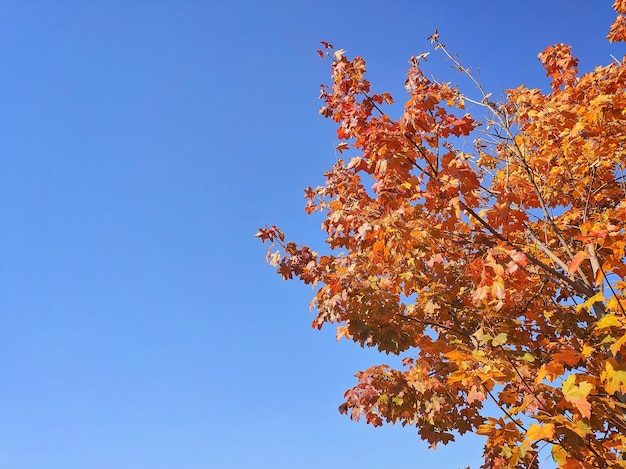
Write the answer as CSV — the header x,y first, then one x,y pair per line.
x,y
485,241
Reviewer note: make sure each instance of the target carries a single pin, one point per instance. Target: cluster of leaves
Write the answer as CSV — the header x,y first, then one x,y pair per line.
x,y
498,270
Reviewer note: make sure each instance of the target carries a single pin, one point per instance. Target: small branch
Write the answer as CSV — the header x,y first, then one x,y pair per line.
x,y
521,427
464,335
547,250
541,403
582,289
619,302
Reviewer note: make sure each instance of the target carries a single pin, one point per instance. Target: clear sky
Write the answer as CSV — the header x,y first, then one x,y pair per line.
x,y
142,144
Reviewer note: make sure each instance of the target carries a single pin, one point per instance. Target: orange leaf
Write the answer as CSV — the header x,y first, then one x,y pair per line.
x,y
576,260
537,432
378,247
569,357
342,331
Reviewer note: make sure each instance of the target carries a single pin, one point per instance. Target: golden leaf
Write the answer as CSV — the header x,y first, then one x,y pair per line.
x,y
538,431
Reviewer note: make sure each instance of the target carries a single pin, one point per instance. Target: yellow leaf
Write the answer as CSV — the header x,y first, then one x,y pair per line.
x,y
580,427
590,302
613,303
616,347
499,339
576,394
614,377
583,428
608,321
587,351
618,382
559,454
540,432
481,337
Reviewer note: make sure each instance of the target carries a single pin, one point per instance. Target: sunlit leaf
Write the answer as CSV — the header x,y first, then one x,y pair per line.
x,y
576,394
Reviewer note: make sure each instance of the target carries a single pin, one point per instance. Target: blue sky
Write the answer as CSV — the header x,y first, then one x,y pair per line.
x,y
143,143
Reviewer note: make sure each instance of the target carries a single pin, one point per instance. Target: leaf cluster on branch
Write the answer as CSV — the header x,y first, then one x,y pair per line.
x,y
488,247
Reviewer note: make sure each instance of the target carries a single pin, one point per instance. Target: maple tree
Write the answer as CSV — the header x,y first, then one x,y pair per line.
x,y
497,270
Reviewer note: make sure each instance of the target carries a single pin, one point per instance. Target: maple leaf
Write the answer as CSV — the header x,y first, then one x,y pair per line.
x,y
617,346
576,260
343,331
339,53
538,431
500,339
463,126
569,357
615,377
343,146
610,320
274,259
576,394
617,32
285,271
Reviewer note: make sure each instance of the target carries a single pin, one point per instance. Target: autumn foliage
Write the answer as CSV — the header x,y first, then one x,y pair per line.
x,y
484,242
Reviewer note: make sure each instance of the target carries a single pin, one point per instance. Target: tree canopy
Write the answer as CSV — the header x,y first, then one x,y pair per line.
x,y
484,241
